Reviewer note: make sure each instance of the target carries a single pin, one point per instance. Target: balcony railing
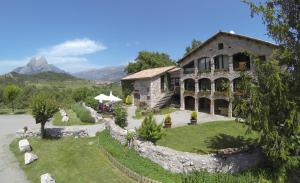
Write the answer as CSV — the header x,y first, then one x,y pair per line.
x,y
204,71
204,93
188,70
221,94
222,70
189,92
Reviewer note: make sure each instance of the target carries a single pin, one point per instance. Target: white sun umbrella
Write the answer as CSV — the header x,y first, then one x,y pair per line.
x,y
113,98
102,98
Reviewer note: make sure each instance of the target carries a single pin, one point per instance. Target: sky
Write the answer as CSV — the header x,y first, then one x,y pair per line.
x,y
78,35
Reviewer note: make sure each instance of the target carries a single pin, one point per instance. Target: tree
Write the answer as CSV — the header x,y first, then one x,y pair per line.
x,y
267,107
146,60
120,115
11,92
282,20
195,44
43,106
149,130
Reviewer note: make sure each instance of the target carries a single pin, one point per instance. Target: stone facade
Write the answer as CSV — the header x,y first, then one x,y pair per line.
x,y
228,47
183,162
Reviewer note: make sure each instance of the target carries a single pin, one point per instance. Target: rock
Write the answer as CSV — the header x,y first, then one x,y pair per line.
x,y
65,119
24,145
47,178
29,158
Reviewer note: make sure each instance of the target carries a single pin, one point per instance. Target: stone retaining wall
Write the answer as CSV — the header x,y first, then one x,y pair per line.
x,y
54,133
183,162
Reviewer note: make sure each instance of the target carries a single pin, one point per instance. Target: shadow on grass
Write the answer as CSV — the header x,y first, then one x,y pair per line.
x,y
53,133
223,141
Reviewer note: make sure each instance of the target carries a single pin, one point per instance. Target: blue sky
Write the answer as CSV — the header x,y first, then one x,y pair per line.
x,y
83,34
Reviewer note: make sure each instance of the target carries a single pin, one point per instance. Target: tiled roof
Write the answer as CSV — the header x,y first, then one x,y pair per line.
x,y
148,73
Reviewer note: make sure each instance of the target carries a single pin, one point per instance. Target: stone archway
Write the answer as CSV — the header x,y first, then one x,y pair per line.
x,y
189,103
204,105
221,107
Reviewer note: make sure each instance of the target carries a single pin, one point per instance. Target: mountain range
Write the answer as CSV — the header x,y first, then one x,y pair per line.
x,y
41,65
112,73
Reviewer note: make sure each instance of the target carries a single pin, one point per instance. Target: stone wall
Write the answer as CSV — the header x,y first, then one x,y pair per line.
x,y
53,132
143,88
183,162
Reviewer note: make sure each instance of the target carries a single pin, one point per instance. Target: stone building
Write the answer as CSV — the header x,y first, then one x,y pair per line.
x,y
211,72
206,77
154,86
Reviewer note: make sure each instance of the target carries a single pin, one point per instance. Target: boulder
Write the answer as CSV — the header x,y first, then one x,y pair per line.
x,y
24,145
47,178
29,158
65,119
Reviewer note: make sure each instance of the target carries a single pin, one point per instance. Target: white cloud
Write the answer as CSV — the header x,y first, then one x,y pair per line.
x,y
76,47
69,55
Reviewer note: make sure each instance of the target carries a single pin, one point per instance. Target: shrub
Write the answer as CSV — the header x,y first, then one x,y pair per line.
x,y
128,100
83,114
143,106
168,120
129,138
120,115
91,102
149,130
194,115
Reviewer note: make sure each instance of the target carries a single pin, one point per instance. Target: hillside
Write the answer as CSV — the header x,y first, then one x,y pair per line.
x,y
114,73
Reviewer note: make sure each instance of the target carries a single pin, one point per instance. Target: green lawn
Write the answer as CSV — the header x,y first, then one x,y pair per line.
x,y
9,111
207,137
163,111
69,160
146,167
73,119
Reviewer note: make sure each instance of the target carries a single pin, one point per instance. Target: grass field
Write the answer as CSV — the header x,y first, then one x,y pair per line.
x,y
207,137
9,111
73,119
69,160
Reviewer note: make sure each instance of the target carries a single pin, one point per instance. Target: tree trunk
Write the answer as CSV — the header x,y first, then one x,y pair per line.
x,y
43,129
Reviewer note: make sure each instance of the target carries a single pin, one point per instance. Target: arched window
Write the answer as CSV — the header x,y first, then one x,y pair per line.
x,y
221,63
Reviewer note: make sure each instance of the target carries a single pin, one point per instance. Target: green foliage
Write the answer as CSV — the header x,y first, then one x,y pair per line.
x,y
127,87
150,131
91,102
128,100
168,119
194,115
146,60
82,113
43,107
80,94
120,114
10,93
194,45
129,137
268,108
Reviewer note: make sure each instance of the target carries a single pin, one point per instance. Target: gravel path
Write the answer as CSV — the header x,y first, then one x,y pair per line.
x,y
179,118
10,172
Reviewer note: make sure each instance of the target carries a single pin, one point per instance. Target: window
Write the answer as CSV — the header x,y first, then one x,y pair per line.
x,y
148,89
162,83
221,62
220,46
204,64
148,97
262,58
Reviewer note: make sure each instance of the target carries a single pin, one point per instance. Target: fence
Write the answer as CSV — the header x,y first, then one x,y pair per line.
x,y
135,176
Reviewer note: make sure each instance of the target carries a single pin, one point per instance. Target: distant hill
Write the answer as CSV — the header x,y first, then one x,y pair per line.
x,y
37,65
114,73
39,77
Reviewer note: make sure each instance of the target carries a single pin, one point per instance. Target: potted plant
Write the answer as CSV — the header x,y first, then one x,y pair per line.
x,y
194,118
167,121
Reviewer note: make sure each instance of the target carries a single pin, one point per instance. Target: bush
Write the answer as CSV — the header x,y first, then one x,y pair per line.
x,y
128,100
91,102
83,114
120,115
168,120
194,115
149,130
